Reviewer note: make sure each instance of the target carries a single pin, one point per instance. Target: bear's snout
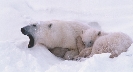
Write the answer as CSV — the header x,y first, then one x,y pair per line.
x,y
89,44
23,31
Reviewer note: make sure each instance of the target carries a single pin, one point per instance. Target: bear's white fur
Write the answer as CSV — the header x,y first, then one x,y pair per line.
x,y
60,34
114,43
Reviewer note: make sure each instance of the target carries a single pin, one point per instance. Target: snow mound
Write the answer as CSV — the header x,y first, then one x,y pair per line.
x,y
98,63
17,57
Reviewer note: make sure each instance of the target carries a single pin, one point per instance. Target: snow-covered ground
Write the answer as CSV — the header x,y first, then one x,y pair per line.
x,y
112,15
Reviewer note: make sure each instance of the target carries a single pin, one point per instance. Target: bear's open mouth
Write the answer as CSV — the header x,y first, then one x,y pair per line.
x,y
31,42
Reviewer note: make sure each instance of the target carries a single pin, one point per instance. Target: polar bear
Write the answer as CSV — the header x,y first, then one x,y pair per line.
x,y
55,34
101,42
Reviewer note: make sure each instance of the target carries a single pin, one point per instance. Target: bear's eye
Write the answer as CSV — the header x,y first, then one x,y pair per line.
x,y
50,25
34,25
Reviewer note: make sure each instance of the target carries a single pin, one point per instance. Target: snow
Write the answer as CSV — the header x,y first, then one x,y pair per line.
x,y
112,15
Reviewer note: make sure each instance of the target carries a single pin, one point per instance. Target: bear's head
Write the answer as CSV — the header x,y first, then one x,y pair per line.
x,y
34,30
89,36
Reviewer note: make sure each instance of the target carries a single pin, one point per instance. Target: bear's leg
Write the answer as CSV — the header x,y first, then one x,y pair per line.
x,y
80,47
80,44
113,55
69,55
76,58
81,54
84,53
90,55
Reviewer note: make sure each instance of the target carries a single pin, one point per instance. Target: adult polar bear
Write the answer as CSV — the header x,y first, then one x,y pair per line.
x,y
55,33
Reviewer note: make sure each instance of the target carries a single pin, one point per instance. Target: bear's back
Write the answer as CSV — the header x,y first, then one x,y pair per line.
x,y
113,40
63,34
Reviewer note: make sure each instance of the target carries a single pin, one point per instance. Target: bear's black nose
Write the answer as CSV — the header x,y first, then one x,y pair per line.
x,y
23,31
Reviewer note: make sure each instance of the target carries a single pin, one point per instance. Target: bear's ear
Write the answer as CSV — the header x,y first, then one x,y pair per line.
x,y
50,25
99,33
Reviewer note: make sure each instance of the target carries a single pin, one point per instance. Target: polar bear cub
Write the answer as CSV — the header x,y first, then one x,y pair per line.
x,y
101,42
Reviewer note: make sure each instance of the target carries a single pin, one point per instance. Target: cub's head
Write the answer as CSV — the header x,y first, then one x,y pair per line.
x,y
89,36
34,30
